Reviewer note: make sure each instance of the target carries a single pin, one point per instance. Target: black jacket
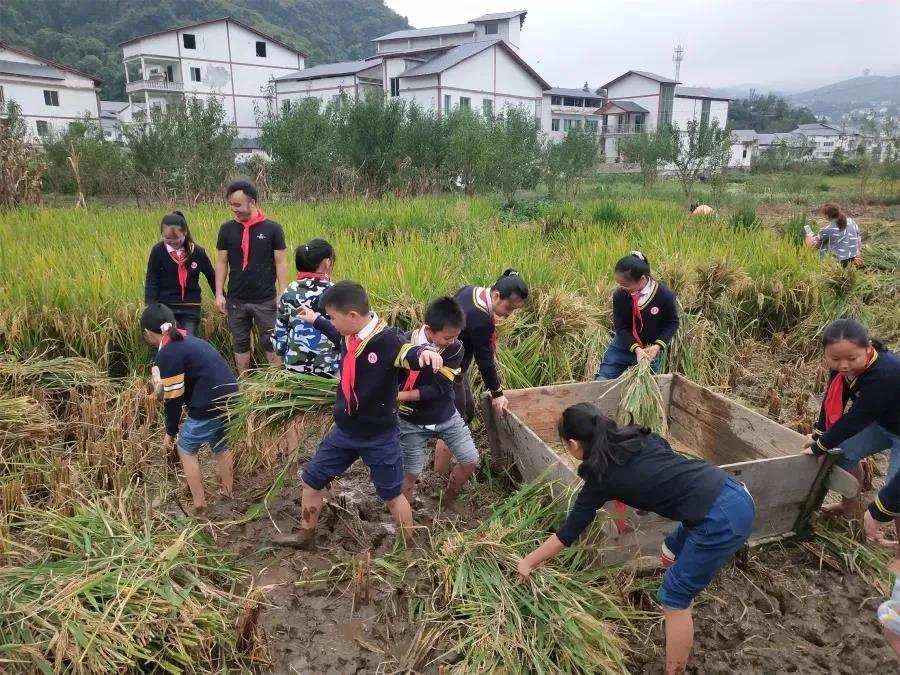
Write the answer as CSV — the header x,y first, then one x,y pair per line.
x,y
161,282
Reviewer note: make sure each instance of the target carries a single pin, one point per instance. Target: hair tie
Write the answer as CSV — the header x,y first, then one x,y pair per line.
x,y
306,248
638,255
513,273
164,328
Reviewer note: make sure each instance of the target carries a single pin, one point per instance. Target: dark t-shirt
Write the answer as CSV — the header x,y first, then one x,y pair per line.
x,y
256,284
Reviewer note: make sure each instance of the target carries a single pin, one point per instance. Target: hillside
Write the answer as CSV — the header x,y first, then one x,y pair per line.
x,y
840,98
85,34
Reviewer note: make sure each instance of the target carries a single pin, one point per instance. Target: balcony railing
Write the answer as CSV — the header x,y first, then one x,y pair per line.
x,y
584,110
154,85
610,129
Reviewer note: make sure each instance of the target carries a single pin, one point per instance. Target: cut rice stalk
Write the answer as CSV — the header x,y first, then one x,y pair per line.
x,y
642,402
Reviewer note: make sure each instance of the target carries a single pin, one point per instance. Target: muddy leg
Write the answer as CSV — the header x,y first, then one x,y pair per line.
x,y
851,505
225,462
441,458
191,467
679,639
402,513
311,507
409,485
461,473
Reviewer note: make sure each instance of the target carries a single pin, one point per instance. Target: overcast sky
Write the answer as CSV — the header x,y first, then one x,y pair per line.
x,y
785,43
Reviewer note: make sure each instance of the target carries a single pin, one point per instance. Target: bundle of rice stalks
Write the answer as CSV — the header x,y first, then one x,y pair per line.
x,y
265,404
114,593
843,546
55,375
23,420
642,402
568,618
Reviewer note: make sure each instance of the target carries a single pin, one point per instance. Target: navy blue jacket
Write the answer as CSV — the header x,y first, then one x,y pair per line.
x,y
659,314
478,338
435,404
886,506
161,281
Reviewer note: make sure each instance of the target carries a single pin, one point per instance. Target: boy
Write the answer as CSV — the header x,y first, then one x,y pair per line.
x,y
885,508
365,412
427,407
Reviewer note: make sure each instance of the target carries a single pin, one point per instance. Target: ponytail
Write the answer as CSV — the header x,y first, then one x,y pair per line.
x,y
308,257
634,266
511,284
602,439
158,318
177,219
835,213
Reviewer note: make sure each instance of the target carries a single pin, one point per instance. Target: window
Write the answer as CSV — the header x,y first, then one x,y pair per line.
x,y
195,74
591,125
336,99
189,41
828,144
576,124
556,100
261,49
170,74
465,103
744,154
704,112
567,124
51,98
448,102
2,98
395,86
665,105
42,128
487,107
491,28
554,124
107,134
286,105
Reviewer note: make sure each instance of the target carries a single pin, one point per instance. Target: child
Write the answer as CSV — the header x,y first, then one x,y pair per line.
x,y
173,272
481,306
645,318
639,468
194,374
701,210
840,238
365,412
302,346
426,401
885,508
864,372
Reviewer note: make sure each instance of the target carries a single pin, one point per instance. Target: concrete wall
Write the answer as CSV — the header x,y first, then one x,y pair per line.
x,y
742,155
643,91
685,109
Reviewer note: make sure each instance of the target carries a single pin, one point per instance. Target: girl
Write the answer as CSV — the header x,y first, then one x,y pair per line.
x,y
865,374
173,272
841,238
194,374
645,318
481,306
632,465
303,348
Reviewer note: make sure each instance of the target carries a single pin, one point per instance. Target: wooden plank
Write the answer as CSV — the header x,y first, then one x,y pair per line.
x,y
843,483
724,431
777,481
501,458
532,456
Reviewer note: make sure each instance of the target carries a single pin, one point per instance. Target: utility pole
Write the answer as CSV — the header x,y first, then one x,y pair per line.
x,y
678,57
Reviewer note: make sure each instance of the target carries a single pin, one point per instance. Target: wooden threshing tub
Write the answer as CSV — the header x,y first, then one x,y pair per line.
x,y
788,488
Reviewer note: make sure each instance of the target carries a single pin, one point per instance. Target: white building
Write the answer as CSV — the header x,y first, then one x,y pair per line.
x,y
474,65
744,148
564,109
50,95
826,138
109,119
224,58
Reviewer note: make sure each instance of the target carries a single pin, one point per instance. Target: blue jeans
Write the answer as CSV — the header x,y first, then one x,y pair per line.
x,y
870,441
194,433
453,432
700,551
189,322
617,359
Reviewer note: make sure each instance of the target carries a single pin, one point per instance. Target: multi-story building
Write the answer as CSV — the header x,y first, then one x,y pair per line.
x,y
564,109
824,139
225,58
51,96
475,65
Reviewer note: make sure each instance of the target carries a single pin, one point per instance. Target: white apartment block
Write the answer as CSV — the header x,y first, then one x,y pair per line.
x,y
474,65
224,58
51,96
824,139
564,109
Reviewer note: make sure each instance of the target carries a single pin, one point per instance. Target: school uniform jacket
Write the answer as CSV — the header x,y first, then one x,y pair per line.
x,y
479,337
659,316
194,374
875,397
161,281
886,505
435,404
382,352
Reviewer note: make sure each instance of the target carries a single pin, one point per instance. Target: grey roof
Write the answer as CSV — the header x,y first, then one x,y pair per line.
x,y
627,106
817,130
500,16
768,139
113,106
427,32
449,58
327,70
30,70
577,93
699,92
654,76
744,135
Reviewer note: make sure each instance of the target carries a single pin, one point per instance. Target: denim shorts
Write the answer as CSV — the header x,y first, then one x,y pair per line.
x,y
194,433
453,432
617,360
870,441
339,449
700,551
242,316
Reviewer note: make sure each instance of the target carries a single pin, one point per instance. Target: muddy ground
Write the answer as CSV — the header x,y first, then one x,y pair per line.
x,y
780,611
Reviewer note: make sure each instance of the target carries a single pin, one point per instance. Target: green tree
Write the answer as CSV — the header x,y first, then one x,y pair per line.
x,y
103,166
767,114
514,152
650,150
567,162
701,150
300,142
468,139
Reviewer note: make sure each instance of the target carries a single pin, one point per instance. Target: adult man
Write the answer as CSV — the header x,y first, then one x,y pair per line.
x,y
250,251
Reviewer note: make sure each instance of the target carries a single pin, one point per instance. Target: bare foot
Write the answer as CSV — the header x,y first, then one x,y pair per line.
x,y
226,495
198,510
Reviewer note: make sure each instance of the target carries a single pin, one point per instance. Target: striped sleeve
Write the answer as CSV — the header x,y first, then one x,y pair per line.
x,y
886,505
173,387
171,372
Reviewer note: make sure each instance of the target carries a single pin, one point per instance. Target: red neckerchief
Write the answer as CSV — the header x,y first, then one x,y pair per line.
x,y
166,339
410,383
348,371
486,298
834,399
312,275
180,256
637,322
245,238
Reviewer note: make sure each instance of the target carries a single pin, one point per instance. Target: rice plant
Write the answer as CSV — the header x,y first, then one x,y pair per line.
x,y
641,400
744,218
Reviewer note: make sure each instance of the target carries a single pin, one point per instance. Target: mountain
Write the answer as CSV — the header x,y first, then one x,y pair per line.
x,y
838,99
85,34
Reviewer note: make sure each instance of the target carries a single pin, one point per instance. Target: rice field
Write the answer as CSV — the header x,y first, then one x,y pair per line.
x,y
95,578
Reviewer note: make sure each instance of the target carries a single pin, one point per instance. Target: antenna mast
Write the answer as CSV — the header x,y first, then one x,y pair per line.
x,y
678,57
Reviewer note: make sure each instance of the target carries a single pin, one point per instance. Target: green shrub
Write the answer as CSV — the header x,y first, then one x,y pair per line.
x,y
605,212
744,218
